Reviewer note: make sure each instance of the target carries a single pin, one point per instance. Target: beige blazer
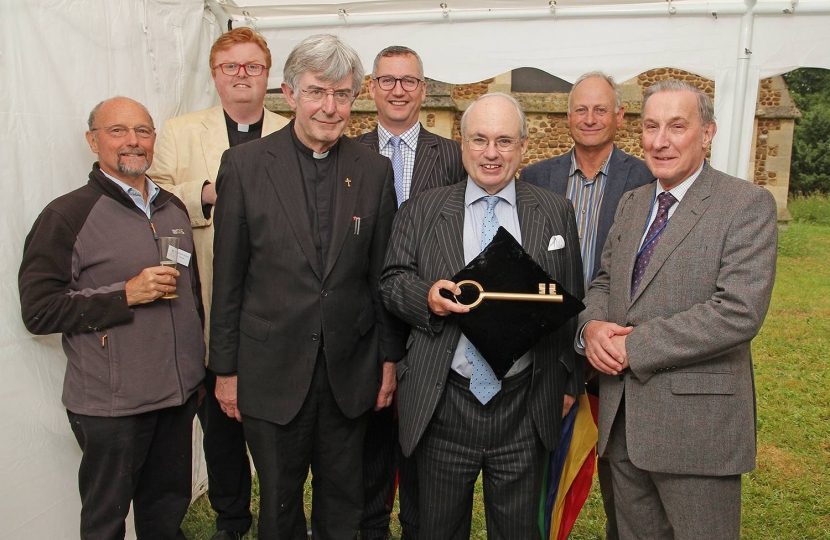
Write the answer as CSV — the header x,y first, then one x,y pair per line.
x,y
187,154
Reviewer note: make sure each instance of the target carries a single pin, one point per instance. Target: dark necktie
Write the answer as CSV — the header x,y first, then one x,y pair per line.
x,y
664,202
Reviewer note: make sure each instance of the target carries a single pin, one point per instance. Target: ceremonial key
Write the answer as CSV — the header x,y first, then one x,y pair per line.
x,y
547,293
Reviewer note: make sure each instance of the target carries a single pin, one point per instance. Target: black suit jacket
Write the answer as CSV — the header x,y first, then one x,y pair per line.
x,y
427,245
625,173
272,304
437,160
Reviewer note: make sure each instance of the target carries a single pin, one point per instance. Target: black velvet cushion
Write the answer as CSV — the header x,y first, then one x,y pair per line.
x,y
504,330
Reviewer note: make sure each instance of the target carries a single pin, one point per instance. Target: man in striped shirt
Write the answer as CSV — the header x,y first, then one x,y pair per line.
x,y
593,175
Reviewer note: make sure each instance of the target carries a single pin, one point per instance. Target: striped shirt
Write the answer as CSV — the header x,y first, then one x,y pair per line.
x,y
409,144
586,195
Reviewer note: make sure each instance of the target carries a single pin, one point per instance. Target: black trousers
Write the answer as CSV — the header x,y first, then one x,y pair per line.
x,y
226,455
322,437
144,458
382,458
497,440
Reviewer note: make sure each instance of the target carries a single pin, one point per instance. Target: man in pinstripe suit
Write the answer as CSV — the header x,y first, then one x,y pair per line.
x,y
426,161
456,432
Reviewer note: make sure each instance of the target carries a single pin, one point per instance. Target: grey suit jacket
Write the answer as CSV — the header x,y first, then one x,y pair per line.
x,y
625,172
427,245
437,160
689,394
273,304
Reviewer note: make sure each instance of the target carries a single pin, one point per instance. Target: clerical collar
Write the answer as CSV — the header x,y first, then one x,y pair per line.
x,y
243,128
305,150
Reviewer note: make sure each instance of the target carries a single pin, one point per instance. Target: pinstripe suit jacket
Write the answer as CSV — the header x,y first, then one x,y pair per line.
x,y
437,160
625,173
427,245
690,392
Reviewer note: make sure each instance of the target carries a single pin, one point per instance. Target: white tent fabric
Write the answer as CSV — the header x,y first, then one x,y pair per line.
x,y
59,58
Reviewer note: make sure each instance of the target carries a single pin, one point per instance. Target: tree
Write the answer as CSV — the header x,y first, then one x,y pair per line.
x,y
810,167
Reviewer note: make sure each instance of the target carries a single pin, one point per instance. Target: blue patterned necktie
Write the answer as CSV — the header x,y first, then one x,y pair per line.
x,y
397,167
483,382
664,201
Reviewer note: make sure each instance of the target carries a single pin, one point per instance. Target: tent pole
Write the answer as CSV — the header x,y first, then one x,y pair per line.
x,y
225,21
343,18
744,54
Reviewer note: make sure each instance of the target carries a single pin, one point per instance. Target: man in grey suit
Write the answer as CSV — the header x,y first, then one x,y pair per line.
x,y
593,175
456,428
684,285
421,160
302,219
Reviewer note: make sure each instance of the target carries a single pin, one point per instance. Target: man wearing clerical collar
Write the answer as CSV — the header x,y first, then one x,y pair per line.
x,y
187,161
300,342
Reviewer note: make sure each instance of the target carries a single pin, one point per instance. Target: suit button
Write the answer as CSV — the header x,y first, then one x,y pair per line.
x,y
324,294
314,337
449,350
439,385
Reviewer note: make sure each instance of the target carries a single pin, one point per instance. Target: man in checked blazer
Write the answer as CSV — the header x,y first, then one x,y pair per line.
x,y
427,161
298,331
671,332
593,175
187,161
454,433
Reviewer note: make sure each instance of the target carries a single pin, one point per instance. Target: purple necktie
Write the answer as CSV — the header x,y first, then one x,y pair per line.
x,y
664,202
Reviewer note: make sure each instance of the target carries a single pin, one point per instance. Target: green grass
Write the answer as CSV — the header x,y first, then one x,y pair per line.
x,y
788,495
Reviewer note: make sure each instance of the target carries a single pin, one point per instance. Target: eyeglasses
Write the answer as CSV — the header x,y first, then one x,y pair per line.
x,y
503,144
341,97
233,69
388,82
119,132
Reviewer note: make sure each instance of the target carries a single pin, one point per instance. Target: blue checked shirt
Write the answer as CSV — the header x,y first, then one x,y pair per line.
x,y
409,144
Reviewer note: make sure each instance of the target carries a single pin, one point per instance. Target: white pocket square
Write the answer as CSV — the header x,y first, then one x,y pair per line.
x,y
556,242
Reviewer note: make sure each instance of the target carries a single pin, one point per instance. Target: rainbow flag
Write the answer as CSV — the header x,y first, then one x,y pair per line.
x,y
570,472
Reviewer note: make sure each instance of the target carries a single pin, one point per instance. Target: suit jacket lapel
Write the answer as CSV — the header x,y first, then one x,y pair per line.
x,y
345,200
287,179
559,170
529,224
214,140
690,210
449,230
426,156
371,140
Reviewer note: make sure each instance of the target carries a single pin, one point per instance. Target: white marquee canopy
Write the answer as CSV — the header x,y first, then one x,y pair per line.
x,y
58,59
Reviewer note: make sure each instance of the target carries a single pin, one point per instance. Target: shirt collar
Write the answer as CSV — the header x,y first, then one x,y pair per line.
x,y
603,169
475,193
152,189
680,190
408,137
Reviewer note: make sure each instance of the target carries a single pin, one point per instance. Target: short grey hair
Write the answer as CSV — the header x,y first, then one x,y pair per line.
x,y
397,50
508,97
705,108
599,75
327,55
93,114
